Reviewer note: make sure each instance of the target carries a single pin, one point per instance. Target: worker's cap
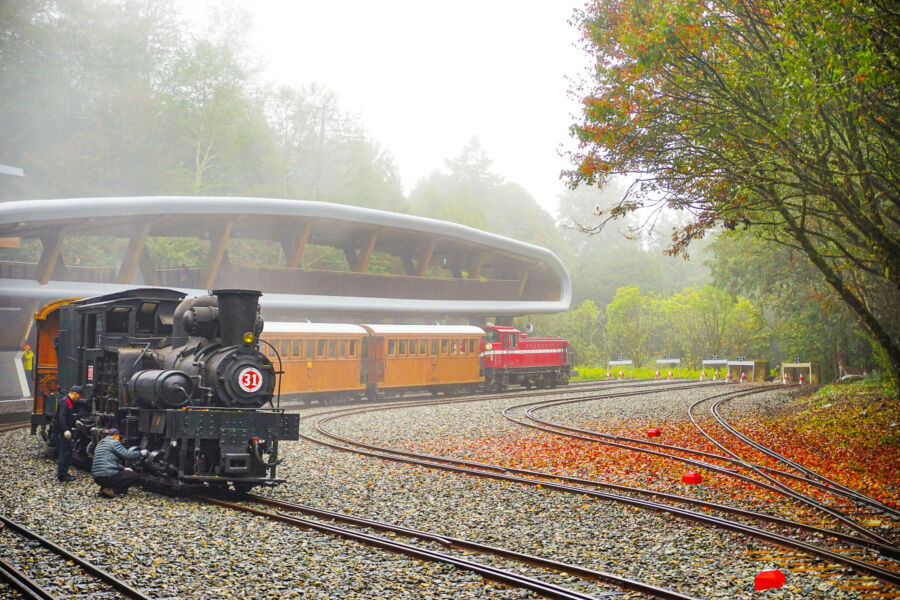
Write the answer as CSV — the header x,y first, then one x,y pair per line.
x,y
77,389
28,346
112,431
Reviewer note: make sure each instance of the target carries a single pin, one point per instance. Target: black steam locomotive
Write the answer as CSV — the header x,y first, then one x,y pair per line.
x,y
180,377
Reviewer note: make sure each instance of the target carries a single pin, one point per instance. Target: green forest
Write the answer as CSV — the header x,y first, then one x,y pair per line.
x,y
753,239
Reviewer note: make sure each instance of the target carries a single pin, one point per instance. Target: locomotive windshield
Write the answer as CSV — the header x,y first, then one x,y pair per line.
x,y
492,336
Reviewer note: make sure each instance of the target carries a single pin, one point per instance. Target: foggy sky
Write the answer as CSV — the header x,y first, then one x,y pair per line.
x,y
425,77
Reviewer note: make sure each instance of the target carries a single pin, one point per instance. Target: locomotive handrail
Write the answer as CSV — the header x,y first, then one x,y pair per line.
x,y
280,372
141,356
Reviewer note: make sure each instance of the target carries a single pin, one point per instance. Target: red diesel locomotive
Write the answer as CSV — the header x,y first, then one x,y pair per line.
x,y
510,357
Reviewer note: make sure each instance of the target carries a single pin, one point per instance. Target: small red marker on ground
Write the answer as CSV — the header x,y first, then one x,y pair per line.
x,y
768,579
692,478
653,432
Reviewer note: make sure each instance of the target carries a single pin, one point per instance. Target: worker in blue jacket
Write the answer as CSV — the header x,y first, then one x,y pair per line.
x,y
108,469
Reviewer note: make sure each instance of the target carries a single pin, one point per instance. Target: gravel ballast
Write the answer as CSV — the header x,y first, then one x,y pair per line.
x,y
177,548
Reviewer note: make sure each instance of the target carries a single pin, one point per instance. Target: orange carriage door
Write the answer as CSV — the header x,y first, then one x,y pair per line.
x,y
373,353
46,365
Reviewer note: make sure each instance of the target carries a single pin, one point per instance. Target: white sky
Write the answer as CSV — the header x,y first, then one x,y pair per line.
x,y
424,76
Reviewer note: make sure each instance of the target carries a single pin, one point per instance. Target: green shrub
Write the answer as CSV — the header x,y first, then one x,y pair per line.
x,y
593,373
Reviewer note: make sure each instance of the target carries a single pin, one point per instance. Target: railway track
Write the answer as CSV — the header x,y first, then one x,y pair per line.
x,y
807,475
6,427
729,467
805,478
60,571
538,585
885,572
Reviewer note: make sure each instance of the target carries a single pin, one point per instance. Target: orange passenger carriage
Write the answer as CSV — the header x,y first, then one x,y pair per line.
x,y
430,358
320,361
46,366
328,362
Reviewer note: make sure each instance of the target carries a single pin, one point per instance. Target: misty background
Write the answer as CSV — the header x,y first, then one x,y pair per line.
x,y
127,97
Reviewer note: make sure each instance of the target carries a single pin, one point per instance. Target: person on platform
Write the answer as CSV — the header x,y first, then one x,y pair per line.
x,y
28,361
108,470
63,424
28,358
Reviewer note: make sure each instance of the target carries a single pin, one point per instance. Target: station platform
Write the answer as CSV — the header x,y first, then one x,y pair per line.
x,y
13,377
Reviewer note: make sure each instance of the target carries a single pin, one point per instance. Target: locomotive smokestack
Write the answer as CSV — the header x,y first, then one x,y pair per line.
x,y
237,314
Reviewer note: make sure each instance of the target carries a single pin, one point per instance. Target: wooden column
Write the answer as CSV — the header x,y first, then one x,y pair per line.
x,y
294,252
523,279
425,260
133,254
148,272
216,252
52,243
362,262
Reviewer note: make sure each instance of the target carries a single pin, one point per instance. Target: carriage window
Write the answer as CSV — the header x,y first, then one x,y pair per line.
x,y
320,349
352,347
310,346
434,347
392,347
402,347
296,348
454,347
343,348
285,348
423,347
444,345
332,348
117,320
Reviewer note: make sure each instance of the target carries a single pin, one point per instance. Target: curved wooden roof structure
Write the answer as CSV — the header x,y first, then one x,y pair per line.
x,y
380,265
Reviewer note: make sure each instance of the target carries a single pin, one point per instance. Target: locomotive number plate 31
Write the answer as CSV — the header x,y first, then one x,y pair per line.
x,y
250,380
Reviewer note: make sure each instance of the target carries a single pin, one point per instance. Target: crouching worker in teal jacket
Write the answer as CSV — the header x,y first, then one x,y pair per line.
x,y
109,473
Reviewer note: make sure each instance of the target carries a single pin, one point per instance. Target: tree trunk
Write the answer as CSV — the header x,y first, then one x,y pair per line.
x,y
869,321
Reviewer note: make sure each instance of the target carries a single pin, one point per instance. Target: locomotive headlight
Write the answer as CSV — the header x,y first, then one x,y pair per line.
x,y
488,346
249,338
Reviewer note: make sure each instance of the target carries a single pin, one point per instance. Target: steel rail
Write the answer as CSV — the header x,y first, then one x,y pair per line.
x,y
94,570
25,585
5,427
809,473
453,542
538,586
792,493
856,541
500,473
890,551
536,406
